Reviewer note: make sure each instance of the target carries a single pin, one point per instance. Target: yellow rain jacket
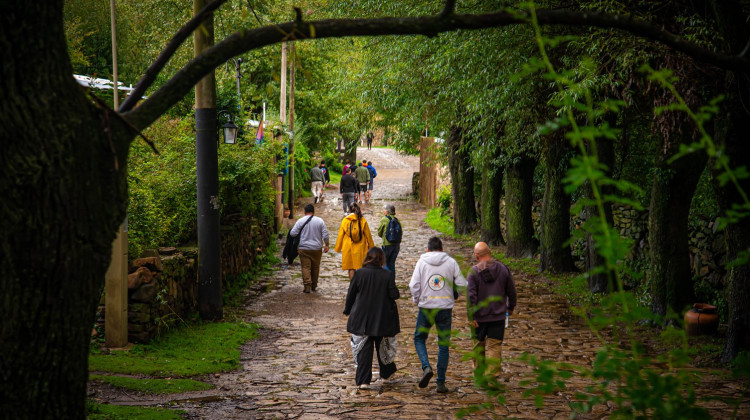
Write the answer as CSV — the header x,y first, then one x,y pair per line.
x,y
353,252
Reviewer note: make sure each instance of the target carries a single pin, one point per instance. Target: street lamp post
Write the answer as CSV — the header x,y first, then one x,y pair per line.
x,y
238,74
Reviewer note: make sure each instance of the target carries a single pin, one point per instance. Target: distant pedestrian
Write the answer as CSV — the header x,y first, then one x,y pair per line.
x,y
373,174
316,179
391,246
348,187
346,166
369,140
373,317
313,236
491,297
363,177
353,241
326,174
434,288
326,179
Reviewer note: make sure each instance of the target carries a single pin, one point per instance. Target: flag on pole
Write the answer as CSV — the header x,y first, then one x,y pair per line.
x,y
259,136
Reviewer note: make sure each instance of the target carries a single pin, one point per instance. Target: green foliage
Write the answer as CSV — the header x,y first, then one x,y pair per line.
x,y
154,386
440,222
192,350
625,376
162,210
96,411
444,199
245,174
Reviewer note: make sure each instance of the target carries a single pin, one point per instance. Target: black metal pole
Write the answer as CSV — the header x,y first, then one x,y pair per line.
x,y
209,239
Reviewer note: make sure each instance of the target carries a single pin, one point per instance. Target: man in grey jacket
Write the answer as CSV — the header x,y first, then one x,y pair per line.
x,y
434,288
491,298
313,235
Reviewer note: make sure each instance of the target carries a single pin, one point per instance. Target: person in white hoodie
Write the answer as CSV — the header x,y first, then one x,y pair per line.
x,y
434,288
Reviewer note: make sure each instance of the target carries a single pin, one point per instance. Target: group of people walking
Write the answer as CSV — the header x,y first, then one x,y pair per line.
x,y
435,283
357,183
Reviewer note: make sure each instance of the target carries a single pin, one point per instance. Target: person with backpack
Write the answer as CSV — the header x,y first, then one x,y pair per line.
x,y
363,177
313,235
390,230
373,174
353,241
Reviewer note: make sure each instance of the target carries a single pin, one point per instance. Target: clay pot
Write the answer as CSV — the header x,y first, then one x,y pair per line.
x,y
701,320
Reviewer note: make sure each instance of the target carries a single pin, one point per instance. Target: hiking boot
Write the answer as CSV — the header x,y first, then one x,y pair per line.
x,y
307,289
426,376
441,388
313,287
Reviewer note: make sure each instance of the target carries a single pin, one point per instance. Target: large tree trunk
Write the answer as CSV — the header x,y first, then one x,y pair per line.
x,y
519,180
492,189
671,194
63,194
555,254
462,183
599,281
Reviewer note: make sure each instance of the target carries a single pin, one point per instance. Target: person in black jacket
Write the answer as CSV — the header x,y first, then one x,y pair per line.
x,y
348,186
373,317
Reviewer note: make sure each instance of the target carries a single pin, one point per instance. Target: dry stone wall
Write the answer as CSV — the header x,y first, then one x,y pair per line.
x,y
163,284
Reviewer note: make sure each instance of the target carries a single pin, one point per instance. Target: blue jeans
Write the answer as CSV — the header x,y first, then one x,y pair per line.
x,y
442,322
391,252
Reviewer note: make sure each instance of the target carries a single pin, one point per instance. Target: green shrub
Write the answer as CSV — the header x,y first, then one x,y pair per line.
x,y
444,199
163,208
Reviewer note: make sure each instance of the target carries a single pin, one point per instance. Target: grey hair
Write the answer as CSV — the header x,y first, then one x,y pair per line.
x,y
390,207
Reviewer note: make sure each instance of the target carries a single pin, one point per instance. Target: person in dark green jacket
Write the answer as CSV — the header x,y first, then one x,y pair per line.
x,y
391,249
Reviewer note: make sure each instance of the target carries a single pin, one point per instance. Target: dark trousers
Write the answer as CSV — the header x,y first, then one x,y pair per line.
x,y
391,252
364,362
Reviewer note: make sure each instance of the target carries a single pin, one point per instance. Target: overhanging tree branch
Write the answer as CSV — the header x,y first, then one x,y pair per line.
x,y
247,40
156,67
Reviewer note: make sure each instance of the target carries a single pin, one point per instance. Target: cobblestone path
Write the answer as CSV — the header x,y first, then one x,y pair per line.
x,y
301,367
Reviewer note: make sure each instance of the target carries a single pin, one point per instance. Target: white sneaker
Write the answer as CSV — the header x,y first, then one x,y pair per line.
x,y
364,386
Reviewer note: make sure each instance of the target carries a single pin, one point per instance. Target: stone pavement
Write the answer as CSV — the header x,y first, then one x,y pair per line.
x,y
301,366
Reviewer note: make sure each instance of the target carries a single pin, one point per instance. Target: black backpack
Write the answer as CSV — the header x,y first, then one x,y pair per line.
x,y
393,232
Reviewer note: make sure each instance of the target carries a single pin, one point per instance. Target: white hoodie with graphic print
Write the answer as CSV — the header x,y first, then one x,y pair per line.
x,y
432,282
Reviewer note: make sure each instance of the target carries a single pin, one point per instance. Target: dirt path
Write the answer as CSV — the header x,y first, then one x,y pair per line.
x,y
301,366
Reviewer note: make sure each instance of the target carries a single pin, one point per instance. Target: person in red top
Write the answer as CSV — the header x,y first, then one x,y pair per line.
x,y
491,297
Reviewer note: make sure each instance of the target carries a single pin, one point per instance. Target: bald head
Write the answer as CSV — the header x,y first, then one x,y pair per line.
x,y
482,251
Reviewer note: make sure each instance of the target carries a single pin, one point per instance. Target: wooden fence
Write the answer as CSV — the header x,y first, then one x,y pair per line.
x,y
428,169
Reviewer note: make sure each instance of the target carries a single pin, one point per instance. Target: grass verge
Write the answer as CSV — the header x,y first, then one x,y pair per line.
x,y
117,412
154,386
191,350
439,222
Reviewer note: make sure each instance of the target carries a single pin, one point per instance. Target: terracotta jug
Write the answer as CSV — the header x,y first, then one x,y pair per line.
x,y
702,319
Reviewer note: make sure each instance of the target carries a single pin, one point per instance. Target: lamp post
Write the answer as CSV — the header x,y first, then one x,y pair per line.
x,y
238,74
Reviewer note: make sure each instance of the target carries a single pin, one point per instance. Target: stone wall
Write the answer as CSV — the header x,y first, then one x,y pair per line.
x,y
163,284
